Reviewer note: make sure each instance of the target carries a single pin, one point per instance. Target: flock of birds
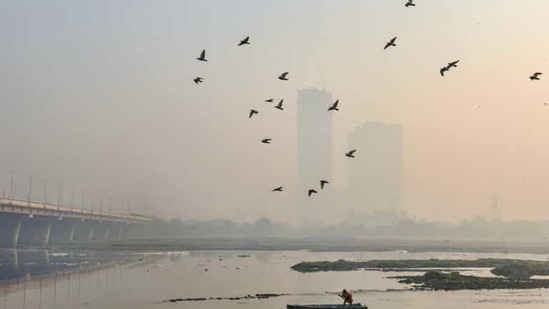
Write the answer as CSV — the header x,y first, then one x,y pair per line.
x,y
279,106
334,106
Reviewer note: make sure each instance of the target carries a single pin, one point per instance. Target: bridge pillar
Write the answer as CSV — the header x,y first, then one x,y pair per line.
x,y
119,235
71,233
62,231
16,233
10,229
36,231
101,231
46,240
90,235
82,231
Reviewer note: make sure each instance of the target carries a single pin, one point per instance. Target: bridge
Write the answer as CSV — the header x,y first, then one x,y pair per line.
x,y
25,223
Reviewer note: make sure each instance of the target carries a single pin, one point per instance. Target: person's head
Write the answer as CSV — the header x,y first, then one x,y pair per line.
x,y
344,291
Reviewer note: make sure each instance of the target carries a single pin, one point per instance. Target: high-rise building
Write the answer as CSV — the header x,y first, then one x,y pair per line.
x,y
375,174
314,152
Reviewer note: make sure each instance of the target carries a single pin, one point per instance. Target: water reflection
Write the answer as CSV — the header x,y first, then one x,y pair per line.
x,y
105,279
24,265
40,275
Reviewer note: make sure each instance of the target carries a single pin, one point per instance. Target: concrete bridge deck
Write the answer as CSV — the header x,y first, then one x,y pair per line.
x,y
31,208
24,223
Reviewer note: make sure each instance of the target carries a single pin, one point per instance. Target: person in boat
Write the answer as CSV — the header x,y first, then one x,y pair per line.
x,y
347,297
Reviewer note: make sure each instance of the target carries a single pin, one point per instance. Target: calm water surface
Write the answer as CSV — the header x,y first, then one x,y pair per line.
x,y
145,280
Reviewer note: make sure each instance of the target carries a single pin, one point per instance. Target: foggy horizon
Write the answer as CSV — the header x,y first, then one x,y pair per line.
x,y
100,96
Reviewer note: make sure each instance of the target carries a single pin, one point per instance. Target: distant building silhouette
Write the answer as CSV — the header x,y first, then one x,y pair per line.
x,y
314,152
374,187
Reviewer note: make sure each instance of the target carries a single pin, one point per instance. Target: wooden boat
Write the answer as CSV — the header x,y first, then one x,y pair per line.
x,y
327,306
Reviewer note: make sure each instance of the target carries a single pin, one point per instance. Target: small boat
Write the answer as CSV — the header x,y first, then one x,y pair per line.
x,y
328,306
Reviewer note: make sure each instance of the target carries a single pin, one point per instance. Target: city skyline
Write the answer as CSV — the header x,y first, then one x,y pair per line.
x,y
101,96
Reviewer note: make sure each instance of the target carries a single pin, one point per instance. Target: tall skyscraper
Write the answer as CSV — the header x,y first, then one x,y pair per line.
x,y
375,174
314,152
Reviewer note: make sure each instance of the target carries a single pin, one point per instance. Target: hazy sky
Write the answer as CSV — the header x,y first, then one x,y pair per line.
x,y
99,94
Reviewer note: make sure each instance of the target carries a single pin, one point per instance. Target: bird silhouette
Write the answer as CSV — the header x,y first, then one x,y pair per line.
x,y
334,106
351,154
323,183
311,191
245,41
198,80
283,76
266,140
253,112
277,189
279,106
202,56
447,68
453,64
444,69
269,100
410,3
535,76
390,43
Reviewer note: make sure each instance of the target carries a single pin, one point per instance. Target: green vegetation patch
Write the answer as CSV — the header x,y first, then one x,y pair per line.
x,y
434,280
510,268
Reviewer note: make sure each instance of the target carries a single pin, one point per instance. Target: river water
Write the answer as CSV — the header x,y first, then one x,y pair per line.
x,y
84,279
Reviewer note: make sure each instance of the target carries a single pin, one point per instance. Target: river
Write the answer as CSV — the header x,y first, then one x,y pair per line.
x,y
106,279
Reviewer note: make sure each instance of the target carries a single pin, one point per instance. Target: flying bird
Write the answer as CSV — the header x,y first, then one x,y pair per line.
x,y
535,76
198,80
444,69
278,189
245,41
279,106
453,64
410,3
253,112
351,154
334,106
322,183
390,43
311,191
202,56
283,76
447,68
266,141
269,100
